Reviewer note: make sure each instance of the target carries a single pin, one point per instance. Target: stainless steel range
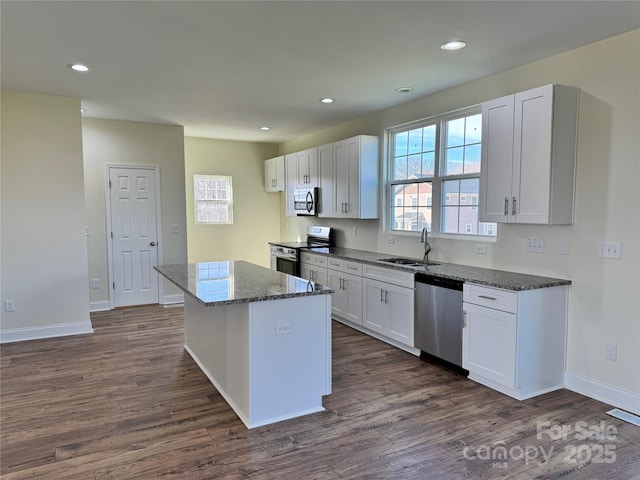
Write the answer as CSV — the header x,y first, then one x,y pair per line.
x,y
285,256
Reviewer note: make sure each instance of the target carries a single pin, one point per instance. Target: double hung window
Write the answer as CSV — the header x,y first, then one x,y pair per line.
x,y
435,175
213,199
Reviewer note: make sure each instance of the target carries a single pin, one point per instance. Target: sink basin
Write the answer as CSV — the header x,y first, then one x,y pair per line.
x,y
408,262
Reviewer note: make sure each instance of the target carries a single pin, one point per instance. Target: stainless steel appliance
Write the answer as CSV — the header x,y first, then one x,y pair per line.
x,y
438,317
305,201
285,256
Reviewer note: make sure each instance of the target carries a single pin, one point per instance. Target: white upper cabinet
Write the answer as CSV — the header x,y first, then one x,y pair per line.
x,y
349,178
529,156
274,177
301,172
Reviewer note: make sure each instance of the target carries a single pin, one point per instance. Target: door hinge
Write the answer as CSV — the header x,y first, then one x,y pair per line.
x,y
114,285
109,183
111,235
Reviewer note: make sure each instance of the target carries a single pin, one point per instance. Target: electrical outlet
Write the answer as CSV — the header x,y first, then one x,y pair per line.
x,y
95,283
609,250
611,352
563,247
9,305
175,229
391,240
284,328
535,245
355,230
481,249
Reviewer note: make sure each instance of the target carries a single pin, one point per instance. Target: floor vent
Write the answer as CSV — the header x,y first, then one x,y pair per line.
x,y
626,416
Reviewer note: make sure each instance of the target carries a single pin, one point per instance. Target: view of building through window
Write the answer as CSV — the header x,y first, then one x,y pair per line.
x,y
435,176
213,199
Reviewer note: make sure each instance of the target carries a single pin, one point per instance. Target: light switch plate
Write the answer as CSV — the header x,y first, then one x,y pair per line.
x,y
609,250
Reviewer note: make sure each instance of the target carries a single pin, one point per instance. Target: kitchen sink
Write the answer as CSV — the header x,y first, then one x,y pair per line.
x,y
408,262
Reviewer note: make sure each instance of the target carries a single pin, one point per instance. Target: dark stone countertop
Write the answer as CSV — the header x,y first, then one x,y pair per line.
x,y
482,276
228,282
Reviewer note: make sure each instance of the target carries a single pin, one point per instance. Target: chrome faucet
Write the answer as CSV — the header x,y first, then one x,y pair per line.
x,y
424,238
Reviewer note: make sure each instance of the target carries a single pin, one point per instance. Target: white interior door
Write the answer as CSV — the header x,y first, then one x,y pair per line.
x,y
134,236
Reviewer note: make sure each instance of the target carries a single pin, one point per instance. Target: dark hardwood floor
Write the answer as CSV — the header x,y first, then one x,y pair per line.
x,y
127,402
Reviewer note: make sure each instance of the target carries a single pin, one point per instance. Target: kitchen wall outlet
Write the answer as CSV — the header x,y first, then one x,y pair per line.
x,y
9,305
481,249
563,247
355,230
609,250
391,240
95,283
284,328
175,229
611,352
535,245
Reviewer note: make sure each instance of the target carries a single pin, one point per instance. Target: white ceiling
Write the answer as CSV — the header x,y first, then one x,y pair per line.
x,y
223,69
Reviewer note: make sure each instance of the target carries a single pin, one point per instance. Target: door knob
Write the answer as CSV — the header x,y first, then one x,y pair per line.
x,y
152,244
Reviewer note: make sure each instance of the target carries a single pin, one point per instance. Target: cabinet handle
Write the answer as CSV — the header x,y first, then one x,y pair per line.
x,y
386,296
487,297
513,206
464,319
381,296
506,206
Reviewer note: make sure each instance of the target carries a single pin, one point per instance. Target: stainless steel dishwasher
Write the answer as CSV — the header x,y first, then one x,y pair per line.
x,y
438,317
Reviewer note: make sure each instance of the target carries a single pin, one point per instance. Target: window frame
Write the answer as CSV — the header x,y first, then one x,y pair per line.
x,y
437,180
228,201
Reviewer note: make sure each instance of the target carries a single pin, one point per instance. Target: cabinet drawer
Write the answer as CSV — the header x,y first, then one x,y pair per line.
x,y
495,298
313,259
389,275
336,264
353,268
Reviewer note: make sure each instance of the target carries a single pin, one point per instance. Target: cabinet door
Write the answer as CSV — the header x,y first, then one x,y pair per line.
x,y
339,295
274,174
341,179
307,168
533,112
291,168
374,308
353,298
352,209
320,275
496,160
325,180
489,344
305,271
400,314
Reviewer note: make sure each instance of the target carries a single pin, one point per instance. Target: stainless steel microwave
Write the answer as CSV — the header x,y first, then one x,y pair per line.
x,y
305,201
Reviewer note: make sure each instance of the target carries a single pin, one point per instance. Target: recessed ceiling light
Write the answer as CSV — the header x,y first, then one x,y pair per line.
x,y
327,100
404,89
453,45
265,128
79,67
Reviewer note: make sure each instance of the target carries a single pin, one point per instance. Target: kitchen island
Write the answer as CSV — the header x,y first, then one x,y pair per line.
x,y
263,338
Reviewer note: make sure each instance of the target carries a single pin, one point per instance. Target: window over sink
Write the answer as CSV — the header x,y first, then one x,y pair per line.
x,y
434,175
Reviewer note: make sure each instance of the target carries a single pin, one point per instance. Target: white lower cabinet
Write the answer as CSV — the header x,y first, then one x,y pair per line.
x,y
314,267
514,342
346,280
388,307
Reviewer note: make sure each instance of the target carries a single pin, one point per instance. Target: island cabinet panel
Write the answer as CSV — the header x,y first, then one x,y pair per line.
x,y
270,360
514,341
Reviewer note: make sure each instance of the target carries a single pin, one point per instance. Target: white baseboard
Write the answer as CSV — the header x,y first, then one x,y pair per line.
x,y
604,392
100,306
176,298
45,331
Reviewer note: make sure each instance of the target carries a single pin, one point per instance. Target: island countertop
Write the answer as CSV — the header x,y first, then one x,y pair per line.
x,y
228,282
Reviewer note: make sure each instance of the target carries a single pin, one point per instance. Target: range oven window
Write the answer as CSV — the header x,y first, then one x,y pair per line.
x,y
287,265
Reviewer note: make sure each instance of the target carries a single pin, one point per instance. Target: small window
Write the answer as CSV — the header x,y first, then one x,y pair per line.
x,y
213,199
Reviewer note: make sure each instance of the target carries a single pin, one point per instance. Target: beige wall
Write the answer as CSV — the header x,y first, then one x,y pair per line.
x,y
44,253
604,302
256,214
115,142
